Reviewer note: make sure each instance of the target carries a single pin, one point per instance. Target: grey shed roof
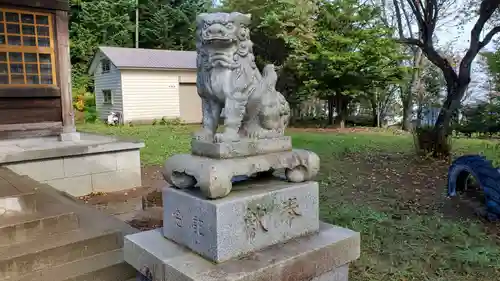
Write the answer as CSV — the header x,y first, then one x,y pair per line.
x,y
150,58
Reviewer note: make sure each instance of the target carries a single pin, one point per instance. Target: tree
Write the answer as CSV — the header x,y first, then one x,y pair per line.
x,y
492,61
282,31
396,16
94,23
353,55
429,91
383,102
481,117
426,14
168,24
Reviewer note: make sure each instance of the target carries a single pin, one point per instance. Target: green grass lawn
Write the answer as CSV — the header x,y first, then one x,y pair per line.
x,y
372,183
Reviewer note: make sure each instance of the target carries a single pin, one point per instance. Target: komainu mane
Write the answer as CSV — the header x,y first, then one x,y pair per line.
x,y
229,79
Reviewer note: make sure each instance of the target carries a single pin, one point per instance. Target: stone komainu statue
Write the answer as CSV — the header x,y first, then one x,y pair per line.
x,y
253,143
229,79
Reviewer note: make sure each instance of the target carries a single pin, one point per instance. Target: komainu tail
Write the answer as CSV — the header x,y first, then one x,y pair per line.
x,y
269,76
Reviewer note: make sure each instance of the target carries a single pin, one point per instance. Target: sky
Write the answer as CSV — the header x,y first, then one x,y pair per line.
x,y
458,37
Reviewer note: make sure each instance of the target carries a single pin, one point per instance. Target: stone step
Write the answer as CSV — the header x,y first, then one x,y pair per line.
x,y
53,250
107,266
51,216
22,228
12,184
17,204
15,196
118,272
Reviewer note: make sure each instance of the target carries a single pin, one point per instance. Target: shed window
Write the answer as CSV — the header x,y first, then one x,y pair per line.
x,y
26,49
107,97
106,66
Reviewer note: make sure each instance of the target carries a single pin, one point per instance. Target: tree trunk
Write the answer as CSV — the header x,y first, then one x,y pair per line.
x,y
442,126
418,60
407,112
450,105
419,115
330,110
375,117
341,107
373,104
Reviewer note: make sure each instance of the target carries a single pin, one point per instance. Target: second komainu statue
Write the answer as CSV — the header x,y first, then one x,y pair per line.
x,y
252,142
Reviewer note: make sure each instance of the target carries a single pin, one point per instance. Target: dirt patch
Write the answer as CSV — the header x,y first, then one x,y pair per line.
x,y
152,177
145,224
147,219
403,184
129,205
152,181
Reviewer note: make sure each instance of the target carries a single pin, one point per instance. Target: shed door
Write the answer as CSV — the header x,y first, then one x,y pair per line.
x,y
190,103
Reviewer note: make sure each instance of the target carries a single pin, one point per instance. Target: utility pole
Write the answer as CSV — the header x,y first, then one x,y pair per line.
x,y
137,23
378,108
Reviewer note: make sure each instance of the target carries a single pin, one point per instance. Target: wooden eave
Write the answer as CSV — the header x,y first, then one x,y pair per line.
x,y
61,5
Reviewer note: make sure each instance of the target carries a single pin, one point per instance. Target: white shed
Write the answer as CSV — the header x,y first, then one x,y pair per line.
x,y
146,84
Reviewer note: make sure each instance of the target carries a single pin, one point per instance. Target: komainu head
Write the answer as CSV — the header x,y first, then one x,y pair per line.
x,y
222,29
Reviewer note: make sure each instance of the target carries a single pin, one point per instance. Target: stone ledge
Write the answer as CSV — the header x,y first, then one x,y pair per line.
x,y
19,150
81,175
214,176
245,147
305,258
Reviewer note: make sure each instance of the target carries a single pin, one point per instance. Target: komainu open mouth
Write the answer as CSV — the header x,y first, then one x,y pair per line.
x,y
218,40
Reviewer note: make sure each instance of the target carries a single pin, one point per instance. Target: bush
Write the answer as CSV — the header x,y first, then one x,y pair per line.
x,y
83,99
427,144
360,121
311,122
467,129
91,115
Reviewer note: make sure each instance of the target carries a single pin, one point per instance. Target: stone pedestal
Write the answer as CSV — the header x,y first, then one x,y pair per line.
x,y
323,256
254,216
214,176
242,148
265,230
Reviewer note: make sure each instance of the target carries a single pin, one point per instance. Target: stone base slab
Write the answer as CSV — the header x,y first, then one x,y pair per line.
x,y
319,257
214,176
83,174
243,148
70,136
247,220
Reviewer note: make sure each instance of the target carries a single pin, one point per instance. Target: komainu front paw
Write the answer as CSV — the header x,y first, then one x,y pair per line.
x,y
203,135
227,136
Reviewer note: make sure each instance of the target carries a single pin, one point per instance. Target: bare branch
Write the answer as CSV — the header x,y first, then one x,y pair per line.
x,y
486,9
420,7
411,41
407,19
441,62
398,18
416,11
489,36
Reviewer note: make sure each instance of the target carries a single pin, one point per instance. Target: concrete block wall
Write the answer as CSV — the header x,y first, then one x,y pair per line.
x,y
82,175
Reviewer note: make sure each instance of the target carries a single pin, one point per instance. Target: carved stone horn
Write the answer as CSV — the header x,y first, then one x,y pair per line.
x,y
200,18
